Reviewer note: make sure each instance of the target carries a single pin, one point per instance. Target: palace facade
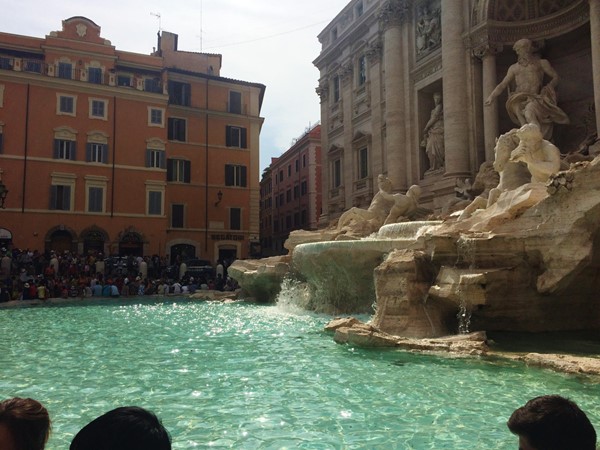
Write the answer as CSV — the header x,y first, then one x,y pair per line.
x,y
399,77
124,153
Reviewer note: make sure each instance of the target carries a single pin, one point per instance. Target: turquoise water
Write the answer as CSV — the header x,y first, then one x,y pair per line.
x,y
259,377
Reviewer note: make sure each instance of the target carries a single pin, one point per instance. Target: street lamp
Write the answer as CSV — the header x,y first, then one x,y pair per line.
x,y
3,192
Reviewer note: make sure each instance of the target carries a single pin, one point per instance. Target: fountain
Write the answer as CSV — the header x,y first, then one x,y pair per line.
x,y
525,262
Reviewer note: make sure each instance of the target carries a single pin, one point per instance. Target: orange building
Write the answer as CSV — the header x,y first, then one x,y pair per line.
x,y
290,192
124,153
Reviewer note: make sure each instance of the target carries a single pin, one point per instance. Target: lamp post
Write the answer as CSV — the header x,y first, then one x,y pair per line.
x,y
3,191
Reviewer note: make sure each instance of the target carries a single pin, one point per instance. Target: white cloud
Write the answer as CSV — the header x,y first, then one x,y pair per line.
x,y
272,42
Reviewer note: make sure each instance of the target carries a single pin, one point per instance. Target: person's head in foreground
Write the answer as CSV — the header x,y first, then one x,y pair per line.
x,y
552,422
125,428
24,424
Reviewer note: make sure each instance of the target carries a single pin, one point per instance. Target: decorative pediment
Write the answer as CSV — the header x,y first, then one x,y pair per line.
x,y
98,137
335,149
155,143
65,133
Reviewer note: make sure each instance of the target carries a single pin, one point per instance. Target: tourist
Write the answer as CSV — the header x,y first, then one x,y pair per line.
x,y
125,428
551,422
24,424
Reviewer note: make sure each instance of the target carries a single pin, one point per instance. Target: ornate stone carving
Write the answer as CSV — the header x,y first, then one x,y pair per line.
x,y
322,91
373,52
428,28
345,72
393,13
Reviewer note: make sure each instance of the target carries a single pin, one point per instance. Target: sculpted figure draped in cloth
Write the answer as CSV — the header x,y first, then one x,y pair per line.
x,y
433,139
384,208
531,102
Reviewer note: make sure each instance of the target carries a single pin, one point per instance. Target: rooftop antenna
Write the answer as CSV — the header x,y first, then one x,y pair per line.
x,y
157,15
201,17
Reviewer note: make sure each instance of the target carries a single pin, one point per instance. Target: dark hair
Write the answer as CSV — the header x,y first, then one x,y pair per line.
x,y
552,422
28,422
125,428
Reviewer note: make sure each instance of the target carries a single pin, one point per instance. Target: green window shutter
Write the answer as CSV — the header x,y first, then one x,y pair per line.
x,y
228,136
187,168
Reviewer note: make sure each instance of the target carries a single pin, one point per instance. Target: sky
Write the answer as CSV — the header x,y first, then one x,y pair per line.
x,y
272,42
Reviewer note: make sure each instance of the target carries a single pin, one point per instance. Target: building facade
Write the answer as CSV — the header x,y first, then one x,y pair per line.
x,y
403,88
123,153
291,192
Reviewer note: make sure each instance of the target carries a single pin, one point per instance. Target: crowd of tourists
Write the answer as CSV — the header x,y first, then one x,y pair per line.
x,y
30,275
549,422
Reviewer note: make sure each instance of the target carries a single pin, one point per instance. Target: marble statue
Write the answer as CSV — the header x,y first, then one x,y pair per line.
x,y
541,156
433,135
385,208
404,205
485,182
373,217
532,101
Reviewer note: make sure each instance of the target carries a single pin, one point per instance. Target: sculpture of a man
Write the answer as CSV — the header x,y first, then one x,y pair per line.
x,y
531,102
433,135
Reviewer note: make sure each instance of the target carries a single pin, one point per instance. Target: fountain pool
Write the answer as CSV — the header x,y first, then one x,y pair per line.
x,y
260,377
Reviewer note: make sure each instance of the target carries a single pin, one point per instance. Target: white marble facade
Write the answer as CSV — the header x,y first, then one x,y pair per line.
x,y
382,61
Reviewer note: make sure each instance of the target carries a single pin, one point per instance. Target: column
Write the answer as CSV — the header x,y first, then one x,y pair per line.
x,y
595,36
456,123
392,16
490,113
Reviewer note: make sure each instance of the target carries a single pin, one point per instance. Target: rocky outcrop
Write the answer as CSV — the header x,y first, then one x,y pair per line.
x,y
260,279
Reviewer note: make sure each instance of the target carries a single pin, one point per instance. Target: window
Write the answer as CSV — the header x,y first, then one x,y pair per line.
x,y
281,202
289,170
155,158
363,163
296,192
95,75
98,109
334,34
297,165
66,105
296,219
337,173
281,175
276,225
64,149
32,66
362,70
178,170
235,218
179,93
235,102
153,85
288,222
154,203
276,202
303,161
336,89
60,197
176,129
177,216
303,188
235,175
97,153
155,117
360,9
235,137
95,199
288,195
303,218
65,70
124,80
